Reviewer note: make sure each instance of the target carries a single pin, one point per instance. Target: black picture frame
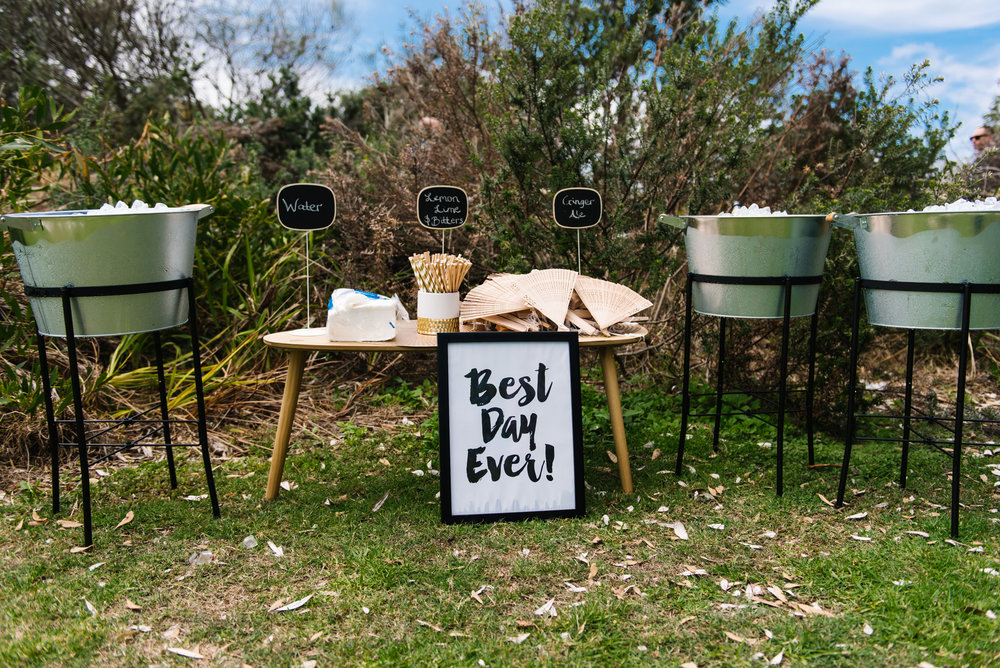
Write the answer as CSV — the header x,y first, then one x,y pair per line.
x,y
492,468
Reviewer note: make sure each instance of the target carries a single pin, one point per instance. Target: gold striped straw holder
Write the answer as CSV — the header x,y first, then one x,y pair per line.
x,y
439,277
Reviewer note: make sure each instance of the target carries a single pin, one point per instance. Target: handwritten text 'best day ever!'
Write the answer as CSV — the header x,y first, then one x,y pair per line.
x,y
529,391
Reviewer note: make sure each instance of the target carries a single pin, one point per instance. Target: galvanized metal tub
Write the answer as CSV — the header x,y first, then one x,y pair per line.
x,y
754,246
92,248
928,247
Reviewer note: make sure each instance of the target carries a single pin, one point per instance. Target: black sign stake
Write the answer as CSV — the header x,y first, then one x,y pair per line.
x,y
442,208
577,209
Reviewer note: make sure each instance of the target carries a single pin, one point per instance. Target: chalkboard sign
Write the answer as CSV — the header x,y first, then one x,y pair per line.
x,y
577,208
442,207
510,435
306,206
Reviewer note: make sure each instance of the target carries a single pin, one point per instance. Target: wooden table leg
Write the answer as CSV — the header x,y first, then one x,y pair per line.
x,y
289,401
617,420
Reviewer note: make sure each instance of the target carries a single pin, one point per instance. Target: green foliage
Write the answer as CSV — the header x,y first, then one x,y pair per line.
x,y
31,152
283,129
30,143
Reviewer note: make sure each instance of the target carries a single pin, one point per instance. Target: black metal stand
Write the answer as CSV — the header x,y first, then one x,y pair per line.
x,y
140,422
780,408
954,426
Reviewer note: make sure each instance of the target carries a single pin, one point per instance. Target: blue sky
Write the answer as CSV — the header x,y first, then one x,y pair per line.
x,y
960,38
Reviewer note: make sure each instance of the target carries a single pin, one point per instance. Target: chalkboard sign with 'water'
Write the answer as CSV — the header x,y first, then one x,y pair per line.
x,y
306,206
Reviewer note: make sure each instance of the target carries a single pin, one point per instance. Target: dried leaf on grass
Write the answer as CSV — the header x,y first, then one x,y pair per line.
x,y
378,505
129,516
180,651
548,608
278,551
810,609
738,638
65,524
294,605
430,626
90,608
518,639
679,530
622,592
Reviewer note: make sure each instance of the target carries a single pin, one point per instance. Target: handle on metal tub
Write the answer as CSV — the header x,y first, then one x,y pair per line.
x,y
202,209
848,221
673,221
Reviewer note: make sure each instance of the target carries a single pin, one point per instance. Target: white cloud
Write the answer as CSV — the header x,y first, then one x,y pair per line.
x,y
967,89
892,16
907,16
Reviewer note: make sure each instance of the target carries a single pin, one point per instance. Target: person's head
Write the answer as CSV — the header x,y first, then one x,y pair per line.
x,y
982,138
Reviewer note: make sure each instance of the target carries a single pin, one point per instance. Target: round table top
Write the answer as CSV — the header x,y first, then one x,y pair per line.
x,y
407,339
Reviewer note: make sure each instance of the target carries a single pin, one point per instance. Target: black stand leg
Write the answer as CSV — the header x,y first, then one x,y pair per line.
x,y
686,377
200,394
783,388
720,369
956,452
164,414
81,434
810,388
50,418
851,392
907,408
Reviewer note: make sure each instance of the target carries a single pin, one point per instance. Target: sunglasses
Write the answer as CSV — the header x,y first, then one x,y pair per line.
x,y
975,137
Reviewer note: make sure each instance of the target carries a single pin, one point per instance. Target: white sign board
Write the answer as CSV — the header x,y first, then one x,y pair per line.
x,y
509,414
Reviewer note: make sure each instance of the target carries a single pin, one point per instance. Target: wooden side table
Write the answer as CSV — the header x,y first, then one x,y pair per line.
x,y
297,345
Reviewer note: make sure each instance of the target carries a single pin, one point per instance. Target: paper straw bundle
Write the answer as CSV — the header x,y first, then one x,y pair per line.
x,y
439,272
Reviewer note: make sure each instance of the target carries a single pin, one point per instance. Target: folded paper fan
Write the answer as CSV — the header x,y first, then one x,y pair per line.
x,y
496,296
549,291
609,302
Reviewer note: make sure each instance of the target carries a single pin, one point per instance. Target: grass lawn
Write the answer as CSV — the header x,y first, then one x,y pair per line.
x,y
353,566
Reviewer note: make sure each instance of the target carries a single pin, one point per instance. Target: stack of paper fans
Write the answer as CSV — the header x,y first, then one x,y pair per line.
x,y
552,299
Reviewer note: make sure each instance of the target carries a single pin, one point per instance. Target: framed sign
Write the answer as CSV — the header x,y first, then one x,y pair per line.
x,y
577,208
509,416
306,206
442,207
